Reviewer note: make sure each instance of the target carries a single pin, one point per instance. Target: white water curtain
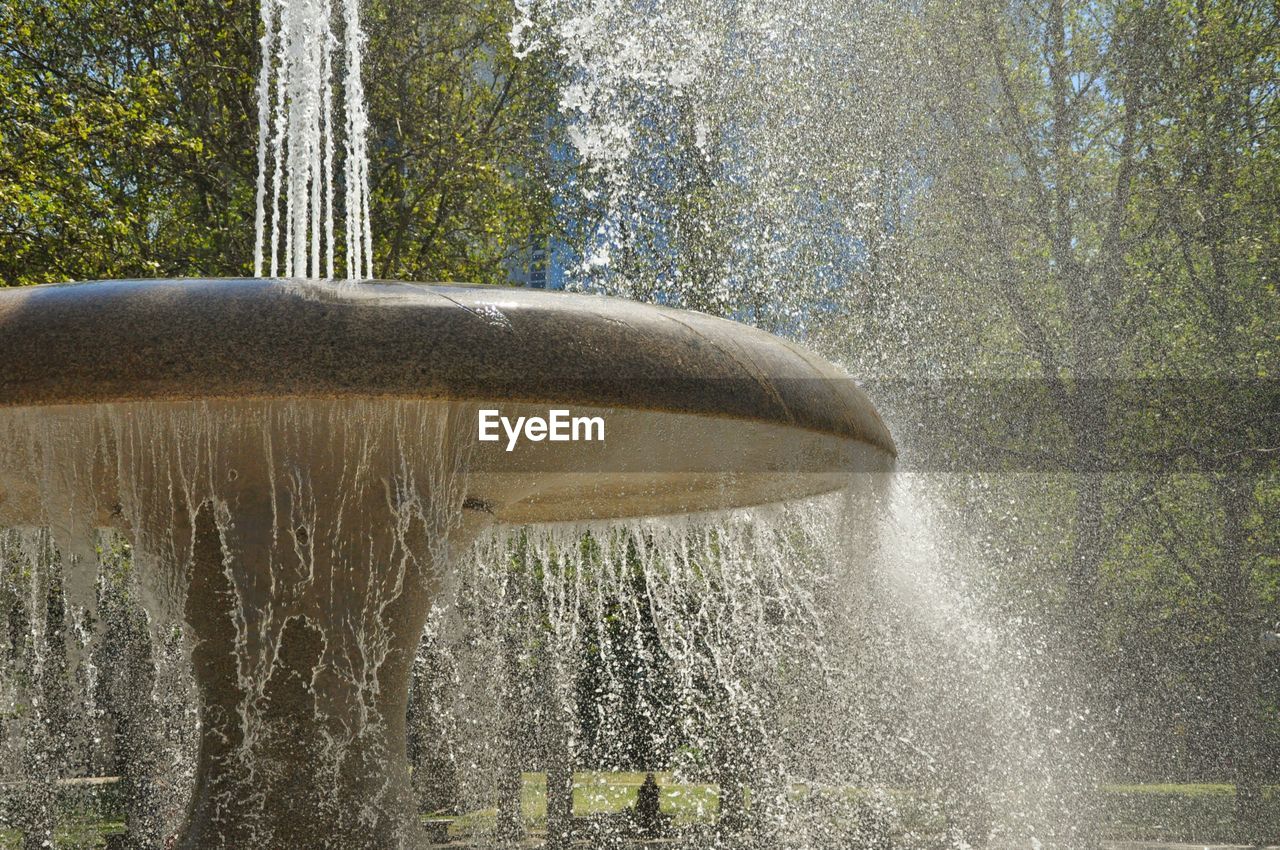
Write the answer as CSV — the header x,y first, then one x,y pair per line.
x,y
304,45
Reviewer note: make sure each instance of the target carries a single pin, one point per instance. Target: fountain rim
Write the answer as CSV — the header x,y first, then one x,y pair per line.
x,y
70,344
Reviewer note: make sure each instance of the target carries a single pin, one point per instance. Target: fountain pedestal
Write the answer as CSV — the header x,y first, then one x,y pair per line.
x,y
295,770
310,539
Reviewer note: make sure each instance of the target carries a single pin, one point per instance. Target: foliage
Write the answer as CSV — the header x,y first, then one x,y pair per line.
x,y
128,132
461,129
126,145
1107,207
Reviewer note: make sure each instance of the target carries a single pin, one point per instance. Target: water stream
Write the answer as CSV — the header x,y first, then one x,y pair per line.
x,y
309,51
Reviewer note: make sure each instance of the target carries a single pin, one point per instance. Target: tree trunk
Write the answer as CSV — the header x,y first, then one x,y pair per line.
x,y
1243,660
510,826
731,774
560,790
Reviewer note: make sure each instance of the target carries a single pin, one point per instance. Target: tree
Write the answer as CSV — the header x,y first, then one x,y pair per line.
x,y
127,148
1209,200
127,139
460,140
1105,213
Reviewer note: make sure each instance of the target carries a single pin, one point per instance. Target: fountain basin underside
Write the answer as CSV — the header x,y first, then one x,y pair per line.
x,y
296,464
647,464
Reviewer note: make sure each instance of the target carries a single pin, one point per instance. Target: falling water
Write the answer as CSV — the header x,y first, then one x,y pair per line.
x,y
306,47
704,648
759,160
830,655
269,543
803,676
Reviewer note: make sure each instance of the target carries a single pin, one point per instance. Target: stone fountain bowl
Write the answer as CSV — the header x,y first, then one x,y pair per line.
x,y
700,413
296,462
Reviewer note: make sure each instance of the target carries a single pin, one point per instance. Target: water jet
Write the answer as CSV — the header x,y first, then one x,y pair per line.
x,y
296,462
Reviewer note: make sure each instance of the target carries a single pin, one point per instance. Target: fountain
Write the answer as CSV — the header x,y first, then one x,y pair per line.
x,y
297,462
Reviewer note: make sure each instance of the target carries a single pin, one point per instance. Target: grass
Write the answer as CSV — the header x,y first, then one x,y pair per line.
x,y
1207,789
80,832
1158,812
601,793
1167,812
